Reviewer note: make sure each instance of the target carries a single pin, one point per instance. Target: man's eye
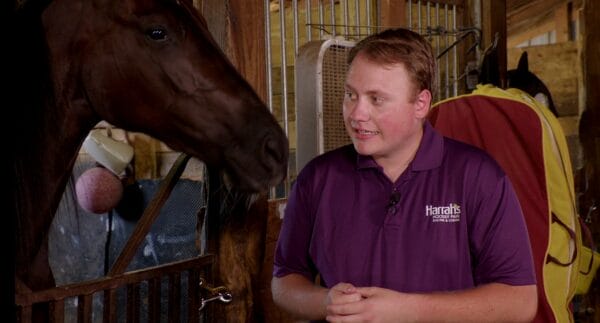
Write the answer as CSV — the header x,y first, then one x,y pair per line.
x,y
377,100
349,95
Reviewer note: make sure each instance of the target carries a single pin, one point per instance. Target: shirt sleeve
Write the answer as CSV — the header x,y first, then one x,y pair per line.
x,y
499,240
292,250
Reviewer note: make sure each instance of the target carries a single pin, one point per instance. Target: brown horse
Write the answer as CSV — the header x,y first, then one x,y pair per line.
x,y
147,66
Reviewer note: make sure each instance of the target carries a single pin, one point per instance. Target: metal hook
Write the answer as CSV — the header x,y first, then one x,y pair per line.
x,y
220,293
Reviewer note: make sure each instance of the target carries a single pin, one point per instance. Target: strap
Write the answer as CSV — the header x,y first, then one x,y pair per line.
x,y
587,234
571,233
150,214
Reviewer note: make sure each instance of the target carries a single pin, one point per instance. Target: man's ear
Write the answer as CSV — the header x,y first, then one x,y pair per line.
x,y
422,104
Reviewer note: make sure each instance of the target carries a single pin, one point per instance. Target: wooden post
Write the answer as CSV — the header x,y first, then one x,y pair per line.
x,y
238,27
393,14
562,22
589,136
494,21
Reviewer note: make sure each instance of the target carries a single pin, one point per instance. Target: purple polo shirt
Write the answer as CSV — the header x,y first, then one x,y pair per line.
x,y
451,221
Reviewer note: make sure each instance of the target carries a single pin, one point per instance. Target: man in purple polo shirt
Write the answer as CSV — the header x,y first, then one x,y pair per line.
x,y
404,225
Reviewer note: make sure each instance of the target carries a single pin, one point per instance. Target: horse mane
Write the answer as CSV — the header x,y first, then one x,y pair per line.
x,y
28,69
29,90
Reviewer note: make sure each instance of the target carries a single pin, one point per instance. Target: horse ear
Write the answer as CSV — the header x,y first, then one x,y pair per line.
x,y
488,70
523,63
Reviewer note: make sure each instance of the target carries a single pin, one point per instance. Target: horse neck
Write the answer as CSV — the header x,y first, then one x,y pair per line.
x,y
43,165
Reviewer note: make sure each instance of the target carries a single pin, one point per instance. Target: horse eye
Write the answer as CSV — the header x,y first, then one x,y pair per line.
x,y
157,33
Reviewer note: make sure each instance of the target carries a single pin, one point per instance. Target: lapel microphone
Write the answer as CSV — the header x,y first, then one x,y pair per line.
x,y
394,199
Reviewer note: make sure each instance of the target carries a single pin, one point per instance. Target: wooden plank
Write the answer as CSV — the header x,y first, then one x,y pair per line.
x,y
84,308
57,311
562,19
24,314
271,312
133,303
109,313
154,294
194,296
174,298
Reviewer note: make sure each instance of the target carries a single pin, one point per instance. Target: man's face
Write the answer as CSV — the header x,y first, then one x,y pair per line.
x,y
383,113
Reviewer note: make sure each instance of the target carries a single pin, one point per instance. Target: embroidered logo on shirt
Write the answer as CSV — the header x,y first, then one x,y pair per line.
x,y
449,213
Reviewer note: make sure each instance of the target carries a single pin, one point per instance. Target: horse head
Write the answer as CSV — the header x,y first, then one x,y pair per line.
x,y
148,66
522,78
153,67
519,78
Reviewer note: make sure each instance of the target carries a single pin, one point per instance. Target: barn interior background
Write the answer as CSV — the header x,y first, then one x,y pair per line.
x,y
263,39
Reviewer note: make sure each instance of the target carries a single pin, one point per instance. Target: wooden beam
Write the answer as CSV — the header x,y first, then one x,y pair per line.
x,y
532,32
392,14
562,22
530,13
591,52
494,22
589,133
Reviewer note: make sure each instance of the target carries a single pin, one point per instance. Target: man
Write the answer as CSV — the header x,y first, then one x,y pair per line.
x,y
404,225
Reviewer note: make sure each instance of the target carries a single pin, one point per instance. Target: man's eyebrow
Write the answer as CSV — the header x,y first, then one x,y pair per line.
x,y
369,92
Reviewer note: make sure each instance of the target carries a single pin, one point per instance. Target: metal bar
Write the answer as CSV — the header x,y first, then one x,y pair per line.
x,y
410,22
268,56
446,43
284,94
321,19
357,17
437,49
428,12
308,20
332,17
345,14
295,8
368,12
283,85
455,53
420,19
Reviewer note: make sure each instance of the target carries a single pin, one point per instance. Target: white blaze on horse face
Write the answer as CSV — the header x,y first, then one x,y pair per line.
x,y
542,98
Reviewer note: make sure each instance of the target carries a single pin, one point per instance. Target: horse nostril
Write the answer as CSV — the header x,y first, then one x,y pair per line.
x,y
272,148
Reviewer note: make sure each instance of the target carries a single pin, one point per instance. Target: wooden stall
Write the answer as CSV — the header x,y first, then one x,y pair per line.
x,y
569,65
